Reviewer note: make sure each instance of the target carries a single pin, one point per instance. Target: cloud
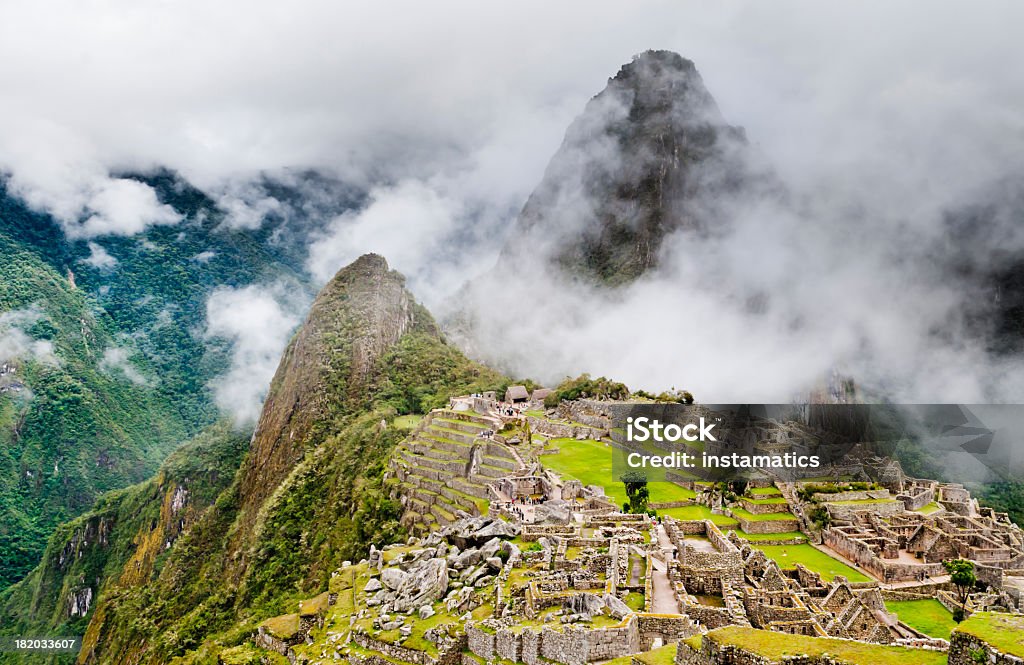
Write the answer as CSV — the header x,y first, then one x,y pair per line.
x,y
99,257
117,360
877,138
16,344
246,206
257,321
204,257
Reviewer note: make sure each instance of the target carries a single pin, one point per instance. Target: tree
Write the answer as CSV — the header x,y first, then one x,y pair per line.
x,y
636,491
961,574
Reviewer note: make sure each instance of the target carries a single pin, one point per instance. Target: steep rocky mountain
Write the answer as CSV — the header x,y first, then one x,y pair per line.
x,y
650,155
221,539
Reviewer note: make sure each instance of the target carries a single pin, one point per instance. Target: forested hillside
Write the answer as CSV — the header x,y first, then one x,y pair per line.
x,y
111,365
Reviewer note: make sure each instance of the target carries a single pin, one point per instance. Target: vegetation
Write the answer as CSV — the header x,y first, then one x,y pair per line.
x,y
668,397
636,492
237,565
90,428
593,463
1005,632
776,646
926,615
961,574
77,428
808,490
787,556
699,512
766,517
585,386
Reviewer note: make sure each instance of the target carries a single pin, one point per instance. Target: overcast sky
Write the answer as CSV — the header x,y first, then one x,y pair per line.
x,y
387,90
447,112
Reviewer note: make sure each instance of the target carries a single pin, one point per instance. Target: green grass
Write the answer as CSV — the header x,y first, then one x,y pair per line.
x,y
698,513
764,491
754,537
590,462
787,556
1005,632
861,502
635,601
768,517
929,508
776,646
928,616
665,655
771,500
407,422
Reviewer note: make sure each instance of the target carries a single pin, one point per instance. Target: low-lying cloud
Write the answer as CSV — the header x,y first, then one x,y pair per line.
x,y
116,361
258,322
16,344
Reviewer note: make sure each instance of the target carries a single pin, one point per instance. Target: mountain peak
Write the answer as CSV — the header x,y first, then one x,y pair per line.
x,y
324,373
651,154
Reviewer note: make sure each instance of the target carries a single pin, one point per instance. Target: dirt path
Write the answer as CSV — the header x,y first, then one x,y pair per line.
x,y
664,600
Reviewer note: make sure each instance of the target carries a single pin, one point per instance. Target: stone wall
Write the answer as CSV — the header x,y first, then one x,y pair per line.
x,y
852,495
763,508
767,526
558,430
966,649
576,645
885,570
848,511
393,650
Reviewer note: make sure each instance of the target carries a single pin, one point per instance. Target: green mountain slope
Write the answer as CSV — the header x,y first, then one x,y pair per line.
x,y
309,494
71,425
88,420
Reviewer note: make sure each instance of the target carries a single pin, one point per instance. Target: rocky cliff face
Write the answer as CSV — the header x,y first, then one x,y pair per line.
x,y
325,370
650,155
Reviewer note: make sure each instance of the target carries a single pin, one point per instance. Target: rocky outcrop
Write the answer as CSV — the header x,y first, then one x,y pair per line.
x,y
650,155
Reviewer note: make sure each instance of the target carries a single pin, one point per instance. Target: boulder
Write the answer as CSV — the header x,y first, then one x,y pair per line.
x,y
393,578
588,604
499,528
373,585
426,611
551,512
616,607
467,559
490,548
425,583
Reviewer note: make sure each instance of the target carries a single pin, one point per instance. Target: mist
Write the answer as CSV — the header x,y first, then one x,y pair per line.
x,y
878,118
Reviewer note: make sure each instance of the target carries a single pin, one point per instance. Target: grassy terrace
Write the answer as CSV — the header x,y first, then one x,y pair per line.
x,y
698,513
755,537
665,655
775,646
764,491
928,616
768,517
408,422
766,500
1005,632
787,556
929,508
591,461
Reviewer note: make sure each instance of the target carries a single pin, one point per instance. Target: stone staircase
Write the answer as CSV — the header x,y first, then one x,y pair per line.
x,y
445,467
